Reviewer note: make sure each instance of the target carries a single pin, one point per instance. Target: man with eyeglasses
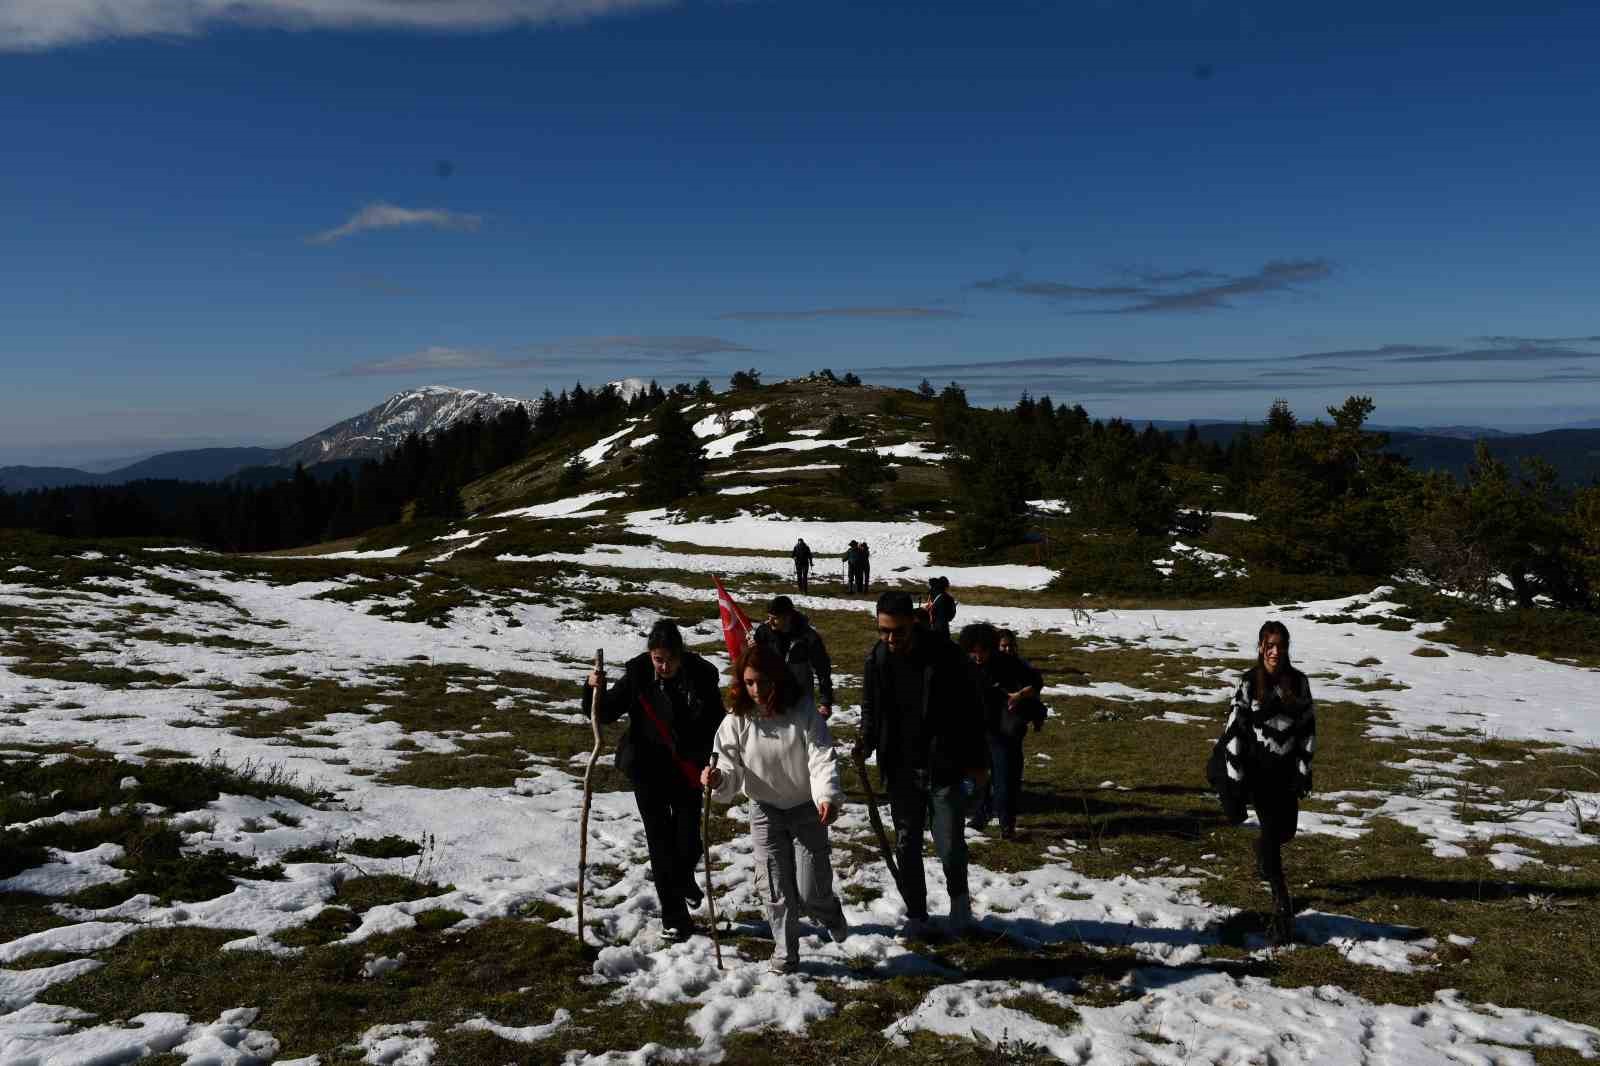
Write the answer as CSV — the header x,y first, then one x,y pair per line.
x,y
922,712
788,633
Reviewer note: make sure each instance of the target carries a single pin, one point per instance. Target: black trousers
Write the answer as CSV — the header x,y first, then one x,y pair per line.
x,y
670,811
1278,810
801,574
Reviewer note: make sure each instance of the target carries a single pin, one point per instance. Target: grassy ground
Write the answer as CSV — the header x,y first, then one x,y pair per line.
x,y
1534,932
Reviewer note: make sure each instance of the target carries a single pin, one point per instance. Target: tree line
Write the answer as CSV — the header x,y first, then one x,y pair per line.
x,y
425,474
1326,495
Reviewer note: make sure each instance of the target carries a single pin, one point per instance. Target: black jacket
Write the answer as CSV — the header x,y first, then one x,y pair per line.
x,y
944,610
802,556
689,705
952,711
1003,675
803,651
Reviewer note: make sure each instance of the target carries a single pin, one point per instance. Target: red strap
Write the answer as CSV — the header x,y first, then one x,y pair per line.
x,y
687,768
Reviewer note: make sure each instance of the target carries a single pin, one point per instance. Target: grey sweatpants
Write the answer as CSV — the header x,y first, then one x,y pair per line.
x,y
793,875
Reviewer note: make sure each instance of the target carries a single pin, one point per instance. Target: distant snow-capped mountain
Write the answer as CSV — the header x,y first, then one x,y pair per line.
x,y
372,433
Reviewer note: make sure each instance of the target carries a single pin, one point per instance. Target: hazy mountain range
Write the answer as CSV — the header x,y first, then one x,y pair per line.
x,y
1574,451
368,435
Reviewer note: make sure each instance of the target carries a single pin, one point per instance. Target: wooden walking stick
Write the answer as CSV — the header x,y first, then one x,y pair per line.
x,y
877,824
705,838
588,788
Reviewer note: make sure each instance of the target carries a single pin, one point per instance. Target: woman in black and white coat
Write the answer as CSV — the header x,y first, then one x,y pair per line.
x,y
1268,745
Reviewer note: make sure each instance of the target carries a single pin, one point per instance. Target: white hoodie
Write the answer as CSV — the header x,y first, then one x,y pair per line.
x,y
784,761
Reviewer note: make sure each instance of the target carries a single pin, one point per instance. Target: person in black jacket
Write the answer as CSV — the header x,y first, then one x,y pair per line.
x,y
1266,751
673,703
802,563
789,633
864,554
1011,701
921,712
941,605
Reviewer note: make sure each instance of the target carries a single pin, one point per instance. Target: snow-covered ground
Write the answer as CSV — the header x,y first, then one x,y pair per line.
x,y
502,848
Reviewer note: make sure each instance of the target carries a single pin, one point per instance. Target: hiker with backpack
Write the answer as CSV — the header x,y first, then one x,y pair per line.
x,y
921,714
941,605
775,748
1263,760
1011,703
802,564
674,706
850,567
789,634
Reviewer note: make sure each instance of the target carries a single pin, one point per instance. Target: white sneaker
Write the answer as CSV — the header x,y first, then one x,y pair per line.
x,y
782,964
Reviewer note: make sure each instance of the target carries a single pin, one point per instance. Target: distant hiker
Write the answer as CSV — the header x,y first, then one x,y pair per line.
x,y
1264,759
850,567
941,605
1011,702
789,634
802,563
673,705
775,748
921,712
866,566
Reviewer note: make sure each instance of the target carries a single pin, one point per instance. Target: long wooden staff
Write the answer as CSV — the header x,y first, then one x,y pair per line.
x,y
705,837
588,788
877,823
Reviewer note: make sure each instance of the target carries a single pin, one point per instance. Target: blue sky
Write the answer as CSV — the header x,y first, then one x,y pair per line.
x,y
241,227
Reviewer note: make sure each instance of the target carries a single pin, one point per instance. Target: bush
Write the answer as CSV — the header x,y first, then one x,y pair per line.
x,y
862,476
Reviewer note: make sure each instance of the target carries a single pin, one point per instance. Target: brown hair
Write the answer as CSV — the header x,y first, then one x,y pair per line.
x,y
1288,682
769,664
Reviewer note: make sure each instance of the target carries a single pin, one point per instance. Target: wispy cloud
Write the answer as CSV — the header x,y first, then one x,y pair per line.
x,y
433,358
1518,342
637,346
33,25
841,312
553,355
1386,351
1060,290
1522,353
388,216
1170,291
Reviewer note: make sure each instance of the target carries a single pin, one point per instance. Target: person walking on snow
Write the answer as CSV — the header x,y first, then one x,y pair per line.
x,y
941,605
775,748
802,564
674,707
789,634
1266,751
1011,702
866,566
921,712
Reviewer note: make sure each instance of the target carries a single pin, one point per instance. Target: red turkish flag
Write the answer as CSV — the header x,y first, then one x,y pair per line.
x,y
736,628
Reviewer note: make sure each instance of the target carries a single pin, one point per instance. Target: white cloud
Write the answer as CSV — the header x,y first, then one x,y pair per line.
x,y
436,357
27,25
388,216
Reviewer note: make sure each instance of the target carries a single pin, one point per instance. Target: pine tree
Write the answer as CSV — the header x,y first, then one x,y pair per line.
x,y
861,476
674,464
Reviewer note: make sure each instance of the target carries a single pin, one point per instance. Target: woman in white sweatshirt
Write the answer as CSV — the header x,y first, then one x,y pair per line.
x,y
775,748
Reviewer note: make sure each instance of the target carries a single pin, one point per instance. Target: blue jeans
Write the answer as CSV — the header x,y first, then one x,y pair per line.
x,y
915,806
1003,793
